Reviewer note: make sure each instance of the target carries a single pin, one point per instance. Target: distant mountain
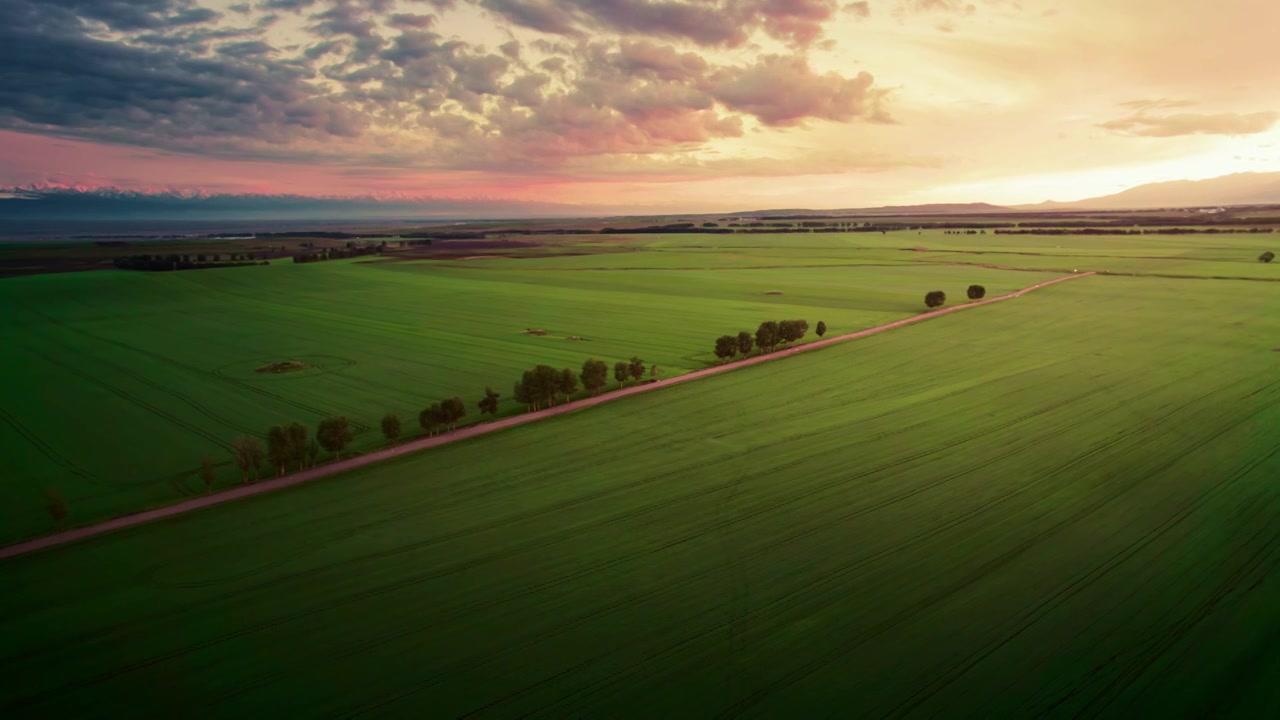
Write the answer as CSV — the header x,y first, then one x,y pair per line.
x,y
1238,189
934,209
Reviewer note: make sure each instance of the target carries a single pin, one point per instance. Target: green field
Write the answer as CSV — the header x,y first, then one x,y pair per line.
x,y
118,383
1064,505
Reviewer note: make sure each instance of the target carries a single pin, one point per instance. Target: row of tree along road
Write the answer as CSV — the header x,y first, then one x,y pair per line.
x,y
767,337
289,446
292,447
937,298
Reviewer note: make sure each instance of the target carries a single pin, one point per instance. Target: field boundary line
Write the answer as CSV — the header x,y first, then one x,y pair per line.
x,y
266,486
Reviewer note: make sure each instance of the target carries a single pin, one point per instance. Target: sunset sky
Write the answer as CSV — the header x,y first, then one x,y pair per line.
x,y
657,105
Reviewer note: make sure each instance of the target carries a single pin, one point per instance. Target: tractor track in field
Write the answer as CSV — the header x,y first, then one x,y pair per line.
x,y
1034,614
357,427
44,447
484,658
316,473
129,397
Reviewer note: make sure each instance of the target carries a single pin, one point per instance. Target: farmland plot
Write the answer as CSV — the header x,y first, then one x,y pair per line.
x,y
118,384
1062,505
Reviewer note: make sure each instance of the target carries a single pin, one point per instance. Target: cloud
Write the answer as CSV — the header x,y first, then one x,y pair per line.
x,y
1144,125
1161,104
546,16
860,10
294,5
784,91
711,23
374,85
408,20
658,61
959,7
151,96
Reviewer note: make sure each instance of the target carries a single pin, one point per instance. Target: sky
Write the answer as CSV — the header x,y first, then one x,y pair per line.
x,y
651,105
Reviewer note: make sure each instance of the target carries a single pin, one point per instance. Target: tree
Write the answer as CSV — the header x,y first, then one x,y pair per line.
x,y
1267,257
798,330
635,369
792,330
313,452
206,474
726,347
821,329
745,343
653,371
278,450
430,418
546,383
334,434
521,391
567,383
298,443
767,336
391,427
620,373
975,292
935,299
57,507
451,411
786,330
248,456
595,373
488,405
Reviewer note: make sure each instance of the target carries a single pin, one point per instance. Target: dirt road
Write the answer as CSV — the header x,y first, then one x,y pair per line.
x,y
267,486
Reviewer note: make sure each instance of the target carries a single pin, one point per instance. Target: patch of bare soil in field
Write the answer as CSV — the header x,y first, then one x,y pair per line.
x,y
283,367
535,331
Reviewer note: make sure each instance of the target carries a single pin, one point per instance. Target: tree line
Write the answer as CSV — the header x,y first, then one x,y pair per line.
x,y
167,263
287,446
541,386
936,298
766,339
339,253
1074,230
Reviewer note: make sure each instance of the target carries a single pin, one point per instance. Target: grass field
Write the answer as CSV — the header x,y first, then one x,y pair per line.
x,y
1063,505
137,376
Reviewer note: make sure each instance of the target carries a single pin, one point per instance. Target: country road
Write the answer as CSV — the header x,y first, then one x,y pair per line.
x,y
315,473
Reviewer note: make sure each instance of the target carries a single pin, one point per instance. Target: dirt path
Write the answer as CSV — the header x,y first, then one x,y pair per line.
x,y
267,486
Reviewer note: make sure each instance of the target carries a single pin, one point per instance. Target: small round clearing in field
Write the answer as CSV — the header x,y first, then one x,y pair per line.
x,y
283,366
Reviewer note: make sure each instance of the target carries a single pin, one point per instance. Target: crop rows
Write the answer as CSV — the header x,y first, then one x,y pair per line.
x,y
142,375
1011,513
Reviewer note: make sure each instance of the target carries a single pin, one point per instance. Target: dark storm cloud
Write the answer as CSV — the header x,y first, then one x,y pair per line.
x,y
409,20
295,5
124,15
164,96
372,73
246,49
727,23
